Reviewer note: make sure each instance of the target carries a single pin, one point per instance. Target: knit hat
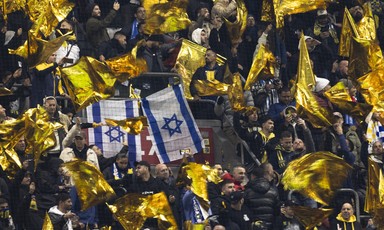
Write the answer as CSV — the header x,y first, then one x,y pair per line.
x,y
321,83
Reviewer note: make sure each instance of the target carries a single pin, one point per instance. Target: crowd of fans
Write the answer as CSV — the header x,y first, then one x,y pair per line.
x,y
248,197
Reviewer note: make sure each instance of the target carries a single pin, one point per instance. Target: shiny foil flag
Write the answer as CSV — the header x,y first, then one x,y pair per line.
x,y
237,28
9,6
211,87
348,30
199,174
90,184
267,11
47,225
317,175
263,62
310,217
46,14
132,126
166,17
40,49
339,96
288,7
372,197
236,96
306,104
88,81
126,66
9,162
371,88
133,209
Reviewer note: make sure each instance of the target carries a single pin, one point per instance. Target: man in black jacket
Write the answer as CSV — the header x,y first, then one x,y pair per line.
x,y
61,214
262,197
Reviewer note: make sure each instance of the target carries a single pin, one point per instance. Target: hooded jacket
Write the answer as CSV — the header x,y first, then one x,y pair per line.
x,y
341,223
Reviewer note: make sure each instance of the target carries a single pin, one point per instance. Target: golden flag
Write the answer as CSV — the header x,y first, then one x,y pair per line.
x,y
47,225
9,161
39,49
133,209
236,96
310,217
306,104
267,11
372,198
106,228
288,7
90,184
200,174
132,125
339,96
348,30
88,81
127,66
316,175
370,88
237,28
211,87
5,91
165,17
9,6
46,14
263,61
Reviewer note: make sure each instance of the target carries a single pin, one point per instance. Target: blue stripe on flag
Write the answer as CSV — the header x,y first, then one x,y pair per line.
x,y
188,118
98,131
129,112
155,130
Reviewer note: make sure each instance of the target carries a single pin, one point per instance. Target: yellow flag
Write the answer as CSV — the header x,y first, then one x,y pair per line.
x,y
267,11
264,60
90,184
316,175
288,7
211,88
306,104
127,66
88,81
9,161
132,125
40,49
372,198
5,91
200,174
46,14
9,6
348,30
236,96
165,17
47,225
339,96
310,217
237,28
133,209
370,88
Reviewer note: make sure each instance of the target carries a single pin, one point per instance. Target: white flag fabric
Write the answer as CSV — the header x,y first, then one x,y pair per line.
x,y
171,124
110,139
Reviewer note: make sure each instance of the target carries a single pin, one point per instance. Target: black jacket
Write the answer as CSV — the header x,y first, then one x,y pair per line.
x,y
262,199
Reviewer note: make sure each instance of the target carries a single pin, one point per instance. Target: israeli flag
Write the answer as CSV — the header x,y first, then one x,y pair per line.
x,y
171,124
110,139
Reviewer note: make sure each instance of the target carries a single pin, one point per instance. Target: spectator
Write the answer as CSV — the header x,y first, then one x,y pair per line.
x,y
339,71
262,197
240,177
239,213
224,9
60,214
96,27
45,81
265,94
115,47
132,30
346,219
69,51
246,125
283,153
200,37
6,221
264,139
202,22
276,111
287,219
210,71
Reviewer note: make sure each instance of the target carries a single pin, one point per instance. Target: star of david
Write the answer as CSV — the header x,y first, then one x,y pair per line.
x,y
172,125
114,134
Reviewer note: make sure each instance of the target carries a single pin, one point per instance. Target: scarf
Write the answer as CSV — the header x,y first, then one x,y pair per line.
x,y
351,220
117,172
375,131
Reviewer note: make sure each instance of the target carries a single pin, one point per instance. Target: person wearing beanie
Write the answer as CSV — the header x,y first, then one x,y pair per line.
x,y
96,27
322,85
346,220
